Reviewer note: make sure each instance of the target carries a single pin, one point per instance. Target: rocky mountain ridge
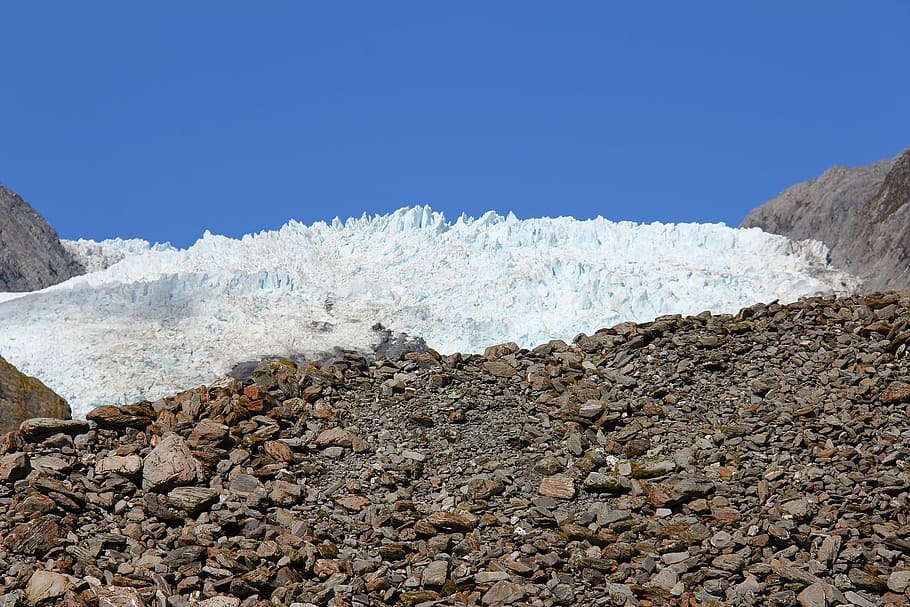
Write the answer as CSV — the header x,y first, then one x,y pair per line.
x,y
749,459
861,213
31,254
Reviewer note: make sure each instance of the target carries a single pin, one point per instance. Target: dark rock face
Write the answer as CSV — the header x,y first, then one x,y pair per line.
x,y
31,255
861,213
749,460
23,397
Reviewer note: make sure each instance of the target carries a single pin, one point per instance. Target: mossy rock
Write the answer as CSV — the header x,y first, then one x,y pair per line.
x,y
652,468
23,397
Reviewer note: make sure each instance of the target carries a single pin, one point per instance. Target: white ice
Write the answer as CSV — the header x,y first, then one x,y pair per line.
x,y
150,320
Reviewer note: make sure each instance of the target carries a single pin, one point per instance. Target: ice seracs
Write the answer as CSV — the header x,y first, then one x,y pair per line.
x,y
153,319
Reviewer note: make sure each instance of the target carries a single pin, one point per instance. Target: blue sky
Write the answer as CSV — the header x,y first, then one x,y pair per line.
x,y
159,120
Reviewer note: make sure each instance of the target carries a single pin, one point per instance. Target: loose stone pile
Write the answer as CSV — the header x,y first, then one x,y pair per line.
x,y
756,459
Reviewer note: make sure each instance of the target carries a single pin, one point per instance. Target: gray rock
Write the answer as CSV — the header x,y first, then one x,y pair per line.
x,y
435,574
857,599
48,585
168,465
861,213
899,581
192,499
39,428
504,592
118,596
14,466
598,482
124,465
31,254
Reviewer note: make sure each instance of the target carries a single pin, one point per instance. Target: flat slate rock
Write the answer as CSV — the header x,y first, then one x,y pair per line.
x,y
39,428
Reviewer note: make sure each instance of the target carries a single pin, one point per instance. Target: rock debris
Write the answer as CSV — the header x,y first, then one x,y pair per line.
x,y
751,459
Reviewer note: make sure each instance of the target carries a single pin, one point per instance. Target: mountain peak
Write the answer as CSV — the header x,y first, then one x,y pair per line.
x,y
31,255
861,213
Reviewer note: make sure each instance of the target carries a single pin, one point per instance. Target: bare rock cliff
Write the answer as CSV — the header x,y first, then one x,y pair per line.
x,y
31,255
861,213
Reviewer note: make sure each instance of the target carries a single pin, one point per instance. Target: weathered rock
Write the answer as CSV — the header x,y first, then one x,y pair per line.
x,y
168,465
39,428
504,592
34,538
598,482
124,465
192,499
449,521
109,416
46,586
899,581
119,596
14,466
557,486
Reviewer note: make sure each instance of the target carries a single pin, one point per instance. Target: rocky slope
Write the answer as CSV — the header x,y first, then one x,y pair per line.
x,y
22,397
861,213
31,255
755,459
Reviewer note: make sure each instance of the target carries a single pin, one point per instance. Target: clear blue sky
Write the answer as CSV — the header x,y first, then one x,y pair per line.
x,y
159,120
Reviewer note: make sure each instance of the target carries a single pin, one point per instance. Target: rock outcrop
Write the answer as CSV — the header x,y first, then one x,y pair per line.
x,y
750,459
31,254
23,397
861,213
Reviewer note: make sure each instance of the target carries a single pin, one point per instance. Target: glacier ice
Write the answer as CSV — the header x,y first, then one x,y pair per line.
x,y
152,319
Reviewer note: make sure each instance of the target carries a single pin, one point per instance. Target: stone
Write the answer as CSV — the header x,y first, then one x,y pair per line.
x,y
859,600
333,437
799,509
728,562
557,486
193,499
111,417
500,368
486,577
829,549
665,579
897,392
435,574
869,581
820,594
504,592
598,482
36,537
208,434
124,465
39,428
652,468
118,596
446,507
170,464
14,466
899,581
48,585
354,503
448,521
219,601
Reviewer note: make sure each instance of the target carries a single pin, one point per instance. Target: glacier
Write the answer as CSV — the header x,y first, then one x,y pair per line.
x,y
148,320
